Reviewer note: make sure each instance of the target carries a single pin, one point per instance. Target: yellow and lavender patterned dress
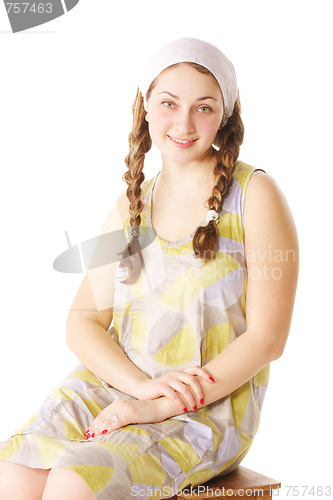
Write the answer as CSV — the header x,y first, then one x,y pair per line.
x,y
178,314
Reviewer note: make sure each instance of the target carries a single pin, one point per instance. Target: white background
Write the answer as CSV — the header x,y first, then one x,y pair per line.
x,y
66,91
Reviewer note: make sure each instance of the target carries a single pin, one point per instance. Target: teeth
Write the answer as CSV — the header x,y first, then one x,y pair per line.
x,y
179,140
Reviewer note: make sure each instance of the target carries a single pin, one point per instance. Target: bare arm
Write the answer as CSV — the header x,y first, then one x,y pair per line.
x,y
90,317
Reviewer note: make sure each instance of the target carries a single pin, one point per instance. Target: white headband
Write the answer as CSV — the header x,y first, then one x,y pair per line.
x,y
200,52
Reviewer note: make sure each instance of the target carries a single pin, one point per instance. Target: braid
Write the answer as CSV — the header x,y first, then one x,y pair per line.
x,y
228,139
139,144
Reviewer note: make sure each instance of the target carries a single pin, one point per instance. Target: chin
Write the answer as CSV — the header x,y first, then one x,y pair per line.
x,y
179,161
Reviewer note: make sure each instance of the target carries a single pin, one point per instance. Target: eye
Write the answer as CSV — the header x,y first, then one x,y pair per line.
x,y
168,104
205,109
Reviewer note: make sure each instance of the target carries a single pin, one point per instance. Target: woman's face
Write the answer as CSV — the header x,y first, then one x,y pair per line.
x,y
184,113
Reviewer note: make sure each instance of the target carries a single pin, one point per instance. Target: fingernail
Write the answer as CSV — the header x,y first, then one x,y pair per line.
x,y
201,401
211,378
195,408
93,435
185,410
105,431
87,436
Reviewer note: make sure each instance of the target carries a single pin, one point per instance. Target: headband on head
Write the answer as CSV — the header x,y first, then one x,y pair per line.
x,y
200,52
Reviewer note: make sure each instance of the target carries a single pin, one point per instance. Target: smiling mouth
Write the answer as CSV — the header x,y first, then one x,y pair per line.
x,y
182,141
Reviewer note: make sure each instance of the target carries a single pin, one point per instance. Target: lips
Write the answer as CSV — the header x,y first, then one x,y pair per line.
x,y
182,143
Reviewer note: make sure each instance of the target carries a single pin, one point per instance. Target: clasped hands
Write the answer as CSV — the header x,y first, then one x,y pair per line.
x,y
181,387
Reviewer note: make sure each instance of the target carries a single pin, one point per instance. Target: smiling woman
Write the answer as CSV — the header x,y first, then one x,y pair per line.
x,y
186,120
214,159
175,339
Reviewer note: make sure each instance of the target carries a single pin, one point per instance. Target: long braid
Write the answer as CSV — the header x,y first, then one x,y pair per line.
x,y
229,139
139,144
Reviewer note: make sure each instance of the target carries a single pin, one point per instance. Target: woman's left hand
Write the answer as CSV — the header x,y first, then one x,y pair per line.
x,y
123,412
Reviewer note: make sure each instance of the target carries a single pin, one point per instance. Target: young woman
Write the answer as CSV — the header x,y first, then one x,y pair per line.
x,y
175,339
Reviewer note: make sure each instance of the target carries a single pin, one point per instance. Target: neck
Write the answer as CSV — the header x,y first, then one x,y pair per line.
x,y
199,172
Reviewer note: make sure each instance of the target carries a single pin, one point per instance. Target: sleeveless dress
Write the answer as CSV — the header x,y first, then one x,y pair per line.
x,y
178,314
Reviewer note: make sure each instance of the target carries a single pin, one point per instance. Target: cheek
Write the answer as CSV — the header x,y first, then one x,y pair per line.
x,y
159,120
210,125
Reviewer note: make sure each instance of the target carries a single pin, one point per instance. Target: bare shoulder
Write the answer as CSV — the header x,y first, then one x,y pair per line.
x,y
266,209
117,215
263,185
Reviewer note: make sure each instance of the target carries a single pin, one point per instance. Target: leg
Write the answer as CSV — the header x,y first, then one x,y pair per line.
x,y
21,483
66,485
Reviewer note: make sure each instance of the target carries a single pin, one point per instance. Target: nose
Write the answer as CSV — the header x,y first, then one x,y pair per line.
x,y
185,121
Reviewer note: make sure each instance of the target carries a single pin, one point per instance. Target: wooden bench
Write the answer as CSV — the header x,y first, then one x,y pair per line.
x,y
241,483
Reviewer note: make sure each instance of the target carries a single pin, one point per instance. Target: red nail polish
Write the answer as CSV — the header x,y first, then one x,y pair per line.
x,y
105,431
93,435
211,378
195,408
185,410
201,401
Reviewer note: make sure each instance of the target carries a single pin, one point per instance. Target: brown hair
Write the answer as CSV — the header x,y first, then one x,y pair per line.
x,y
227,144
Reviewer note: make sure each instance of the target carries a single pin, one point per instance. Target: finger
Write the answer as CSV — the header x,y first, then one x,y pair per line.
x,y
189,393
182,387
93,431
200,372
197,371
89,434
197,391
97,426
175,396
185,386
101,427
111,427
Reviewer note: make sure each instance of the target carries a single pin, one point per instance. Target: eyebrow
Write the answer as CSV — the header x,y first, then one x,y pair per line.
x,y
198,99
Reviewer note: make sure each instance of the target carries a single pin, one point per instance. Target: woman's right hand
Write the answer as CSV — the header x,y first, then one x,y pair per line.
x,y
181,386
